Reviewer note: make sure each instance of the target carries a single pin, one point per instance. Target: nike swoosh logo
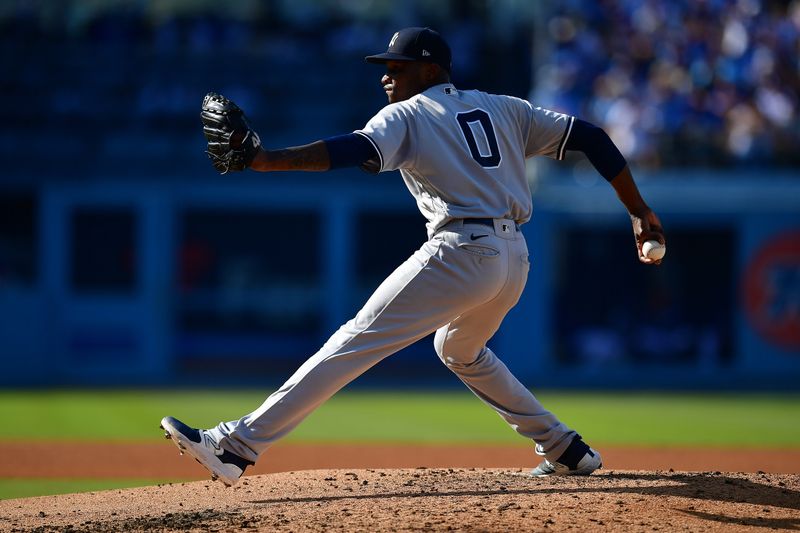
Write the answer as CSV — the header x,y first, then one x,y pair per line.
x,y
212,444
476,237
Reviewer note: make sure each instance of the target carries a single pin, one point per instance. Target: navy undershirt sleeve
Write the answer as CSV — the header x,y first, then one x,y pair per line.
x,y
601,151
350,150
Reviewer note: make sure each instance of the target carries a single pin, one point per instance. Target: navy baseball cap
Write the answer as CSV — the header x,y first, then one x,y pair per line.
x,y
416,44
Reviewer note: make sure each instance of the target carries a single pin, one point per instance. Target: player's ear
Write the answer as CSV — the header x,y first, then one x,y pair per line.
x,y
431,71
438,74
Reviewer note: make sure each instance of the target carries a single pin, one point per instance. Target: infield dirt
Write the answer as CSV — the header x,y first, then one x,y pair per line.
x,y
642,489
428,499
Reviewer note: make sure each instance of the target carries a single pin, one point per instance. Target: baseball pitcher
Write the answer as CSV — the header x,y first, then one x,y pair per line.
x,y
462,156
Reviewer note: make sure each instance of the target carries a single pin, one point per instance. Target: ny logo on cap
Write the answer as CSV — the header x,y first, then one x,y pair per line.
x,y
425,53
394,38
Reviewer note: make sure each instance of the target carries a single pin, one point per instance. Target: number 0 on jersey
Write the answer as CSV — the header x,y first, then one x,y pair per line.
x,y
476,125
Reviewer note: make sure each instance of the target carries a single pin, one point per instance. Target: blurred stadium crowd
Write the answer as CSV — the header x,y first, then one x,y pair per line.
x,y
684,82
676,83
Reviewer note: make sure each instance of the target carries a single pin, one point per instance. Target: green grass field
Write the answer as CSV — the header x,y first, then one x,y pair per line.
x,y
24,488
641,419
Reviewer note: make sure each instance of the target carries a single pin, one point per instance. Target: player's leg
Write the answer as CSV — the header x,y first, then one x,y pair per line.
x,y
424,293
461,345
460,348
390,320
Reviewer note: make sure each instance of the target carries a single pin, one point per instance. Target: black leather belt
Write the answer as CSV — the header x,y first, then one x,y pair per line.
x,y
482,221
485,222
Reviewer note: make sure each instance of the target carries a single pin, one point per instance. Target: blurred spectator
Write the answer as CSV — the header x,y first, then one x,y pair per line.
x,y
675,83
684,82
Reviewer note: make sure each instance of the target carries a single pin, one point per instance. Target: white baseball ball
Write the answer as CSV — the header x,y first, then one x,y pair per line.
x,y
653,250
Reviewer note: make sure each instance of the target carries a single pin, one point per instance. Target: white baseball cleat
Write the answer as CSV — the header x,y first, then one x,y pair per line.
x,y
578,460
224,465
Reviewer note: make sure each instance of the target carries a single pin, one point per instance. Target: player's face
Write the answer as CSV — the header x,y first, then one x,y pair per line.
x,y
404,79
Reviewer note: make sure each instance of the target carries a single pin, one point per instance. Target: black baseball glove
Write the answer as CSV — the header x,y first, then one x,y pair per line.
x,y
232,144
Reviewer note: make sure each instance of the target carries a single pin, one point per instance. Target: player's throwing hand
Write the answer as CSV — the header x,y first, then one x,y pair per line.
x,y
647,227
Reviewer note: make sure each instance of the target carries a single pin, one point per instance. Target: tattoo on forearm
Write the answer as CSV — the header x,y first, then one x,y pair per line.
x,y
308,157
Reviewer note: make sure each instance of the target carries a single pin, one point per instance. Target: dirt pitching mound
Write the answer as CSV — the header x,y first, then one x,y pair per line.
x,y
436,499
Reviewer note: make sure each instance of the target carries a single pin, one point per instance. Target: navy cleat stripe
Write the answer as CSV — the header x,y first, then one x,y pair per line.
x,y
232,458
188,432
574,453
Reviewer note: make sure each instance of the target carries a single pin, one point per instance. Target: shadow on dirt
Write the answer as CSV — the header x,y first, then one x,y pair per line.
x,y
715,487
208,520
758,521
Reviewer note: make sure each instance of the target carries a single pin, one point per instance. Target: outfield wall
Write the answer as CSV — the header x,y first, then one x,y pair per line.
x,y
125,281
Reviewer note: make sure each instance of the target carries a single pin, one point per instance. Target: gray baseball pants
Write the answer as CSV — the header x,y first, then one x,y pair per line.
x,y
458,284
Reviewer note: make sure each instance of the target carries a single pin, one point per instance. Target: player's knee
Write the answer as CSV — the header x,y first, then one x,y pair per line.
x,y
438,346
456,359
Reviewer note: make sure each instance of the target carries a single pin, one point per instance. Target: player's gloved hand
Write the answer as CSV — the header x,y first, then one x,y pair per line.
x,y
232,144
647,226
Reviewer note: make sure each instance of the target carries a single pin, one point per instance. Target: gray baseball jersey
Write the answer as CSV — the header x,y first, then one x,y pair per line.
x,y
461,154
436,138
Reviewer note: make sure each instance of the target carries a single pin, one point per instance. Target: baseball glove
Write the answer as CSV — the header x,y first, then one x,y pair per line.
x,y
232,144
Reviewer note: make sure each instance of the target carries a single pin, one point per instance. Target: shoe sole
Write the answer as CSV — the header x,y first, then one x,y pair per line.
x,y
200,455
585,471
578,473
